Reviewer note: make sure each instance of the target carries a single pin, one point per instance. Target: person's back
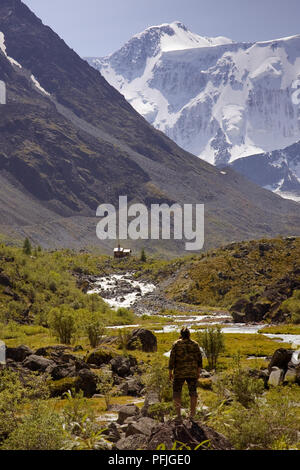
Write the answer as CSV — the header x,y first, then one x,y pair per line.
x,y
184,365
185,358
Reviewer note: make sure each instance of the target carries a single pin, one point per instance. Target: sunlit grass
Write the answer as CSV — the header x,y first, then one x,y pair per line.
x,y
287,329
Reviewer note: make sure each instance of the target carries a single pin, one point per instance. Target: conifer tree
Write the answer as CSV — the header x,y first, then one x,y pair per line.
x,y
27,247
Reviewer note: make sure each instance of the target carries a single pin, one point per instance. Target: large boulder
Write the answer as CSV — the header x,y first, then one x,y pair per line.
x,y
281,358
244,311
62,371
18,354
123,365
38,363
112,432
190,433
52,351
132,387
87,381
59,387
151,399
276,376
143,426
99,357
127,411
133,442
144,337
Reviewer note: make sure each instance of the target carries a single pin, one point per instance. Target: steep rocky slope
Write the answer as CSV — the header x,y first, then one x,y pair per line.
x,y
278,171
69,141
253,278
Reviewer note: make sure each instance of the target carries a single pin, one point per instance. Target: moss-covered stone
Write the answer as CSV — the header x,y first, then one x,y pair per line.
x,y
59,387
99,356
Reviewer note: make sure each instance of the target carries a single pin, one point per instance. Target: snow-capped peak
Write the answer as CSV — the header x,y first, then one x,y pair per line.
x,y
130,61
216,98
176,36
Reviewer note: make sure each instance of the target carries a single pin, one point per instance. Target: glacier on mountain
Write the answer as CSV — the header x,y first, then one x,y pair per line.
x,y
220,100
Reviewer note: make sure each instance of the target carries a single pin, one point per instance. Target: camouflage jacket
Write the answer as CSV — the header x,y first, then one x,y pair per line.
x,y
185,359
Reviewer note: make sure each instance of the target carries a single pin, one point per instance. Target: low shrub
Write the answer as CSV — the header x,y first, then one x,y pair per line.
x,y
291,306
41,429
239,385
211,340
271,423
62,321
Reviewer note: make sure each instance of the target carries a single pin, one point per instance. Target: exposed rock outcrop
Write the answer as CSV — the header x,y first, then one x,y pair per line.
x,y
268,304
19,353
284,367
124,365
145,337
137,432
192,434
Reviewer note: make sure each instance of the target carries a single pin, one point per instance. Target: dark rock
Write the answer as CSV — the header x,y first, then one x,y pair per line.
x,y
83,285
87,381
80,364
127,411
143,426
117,380
63,371
37,363
281,358
132,387
112,433
5,280
190,433
99,356
263,247
135,442
59,387
51,350
245,311
67,358
131,419
151,399
145,337
292,374
18,354
122,365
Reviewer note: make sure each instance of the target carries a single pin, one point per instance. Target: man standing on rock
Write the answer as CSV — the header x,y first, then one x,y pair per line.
x,y
185,364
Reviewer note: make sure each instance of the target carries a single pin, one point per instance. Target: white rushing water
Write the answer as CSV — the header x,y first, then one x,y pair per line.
x,y
294,340
109,284
124,291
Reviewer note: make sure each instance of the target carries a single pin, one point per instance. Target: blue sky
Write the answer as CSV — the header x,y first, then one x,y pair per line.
x,y
99,27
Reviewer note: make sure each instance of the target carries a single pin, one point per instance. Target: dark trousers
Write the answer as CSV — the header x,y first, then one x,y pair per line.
x,y
178,384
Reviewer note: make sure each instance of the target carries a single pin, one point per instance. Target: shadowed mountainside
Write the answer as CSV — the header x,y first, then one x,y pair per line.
x,y
69,141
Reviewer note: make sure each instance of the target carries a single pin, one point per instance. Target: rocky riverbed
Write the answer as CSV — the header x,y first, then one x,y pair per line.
x,y
123,290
